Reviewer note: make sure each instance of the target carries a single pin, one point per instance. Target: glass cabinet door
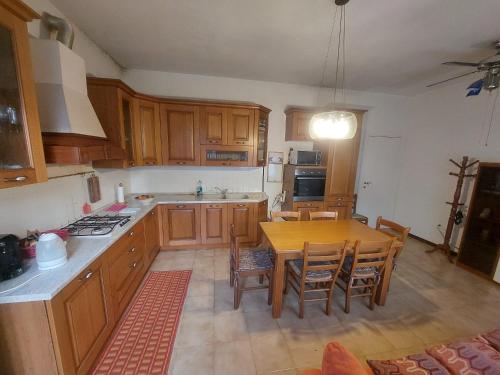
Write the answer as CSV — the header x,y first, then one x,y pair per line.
x,y
128,130
14,153
262,140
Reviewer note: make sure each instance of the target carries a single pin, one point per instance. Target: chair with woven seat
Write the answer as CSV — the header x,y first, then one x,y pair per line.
x,y
285,215
316,272
247,263
393,230
323,215
362,270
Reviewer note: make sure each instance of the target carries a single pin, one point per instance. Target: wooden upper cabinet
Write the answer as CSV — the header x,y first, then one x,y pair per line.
x,y
213,126
147,134
21,152
114,107
180,139
241,126
297,124
81,319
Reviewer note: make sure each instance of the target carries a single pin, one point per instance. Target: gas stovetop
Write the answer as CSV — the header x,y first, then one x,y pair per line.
x,y
97,226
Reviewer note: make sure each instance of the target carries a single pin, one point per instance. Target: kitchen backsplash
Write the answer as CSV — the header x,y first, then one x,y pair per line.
x,y
184,179
54,203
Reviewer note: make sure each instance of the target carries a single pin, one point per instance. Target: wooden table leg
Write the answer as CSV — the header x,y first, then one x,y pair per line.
x,y
278,279
385,279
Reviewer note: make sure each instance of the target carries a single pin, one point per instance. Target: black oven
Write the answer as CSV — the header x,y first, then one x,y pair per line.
x,y
309,184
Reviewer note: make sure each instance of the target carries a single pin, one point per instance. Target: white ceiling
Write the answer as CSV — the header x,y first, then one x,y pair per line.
x,y
394,46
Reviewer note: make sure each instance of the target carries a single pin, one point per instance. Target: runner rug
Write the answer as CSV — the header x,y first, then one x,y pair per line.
x,y
143,340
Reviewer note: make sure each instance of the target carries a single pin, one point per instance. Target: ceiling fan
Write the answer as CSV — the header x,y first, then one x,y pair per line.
x,y
489,66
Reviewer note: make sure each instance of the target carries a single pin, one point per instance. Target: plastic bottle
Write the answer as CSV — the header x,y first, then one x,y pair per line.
x,y
199,188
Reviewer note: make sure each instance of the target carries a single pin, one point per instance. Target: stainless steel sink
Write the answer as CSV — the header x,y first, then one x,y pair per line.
x,y
236,196
230,196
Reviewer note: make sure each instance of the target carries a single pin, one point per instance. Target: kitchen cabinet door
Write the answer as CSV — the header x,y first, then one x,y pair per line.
x,y
242,215
305,207
21,152
241,126
181,224
213,126
180,139
343,209
126,113
214,224
297,125
81,319
342,165
152,235
148,141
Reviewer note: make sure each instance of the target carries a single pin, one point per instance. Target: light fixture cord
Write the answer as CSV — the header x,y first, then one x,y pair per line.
x,y
325,63
338,55
344,9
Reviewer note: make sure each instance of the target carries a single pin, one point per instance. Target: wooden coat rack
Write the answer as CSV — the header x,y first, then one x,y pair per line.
x,y
445,246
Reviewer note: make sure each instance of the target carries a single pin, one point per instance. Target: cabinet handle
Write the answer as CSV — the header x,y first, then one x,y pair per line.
x,y
152,213
131,163
180,206
131,234
239,142
241,205
15,179
181,162
133,265
87,276
132,250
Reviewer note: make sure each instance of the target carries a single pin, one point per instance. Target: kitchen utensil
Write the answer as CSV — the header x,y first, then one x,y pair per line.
x,y
10,257
50,251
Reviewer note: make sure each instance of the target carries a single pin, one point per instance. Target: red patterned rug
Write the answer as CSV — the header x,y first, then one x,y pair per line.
x,y
143,340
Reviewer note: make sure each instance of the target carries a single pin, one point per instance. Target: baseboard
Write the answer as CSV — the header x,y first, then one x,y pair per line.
x,y
430,243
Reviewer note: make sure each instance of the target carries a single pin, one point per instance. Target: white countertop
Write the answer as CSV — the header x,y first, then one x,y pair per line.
x,y
36,285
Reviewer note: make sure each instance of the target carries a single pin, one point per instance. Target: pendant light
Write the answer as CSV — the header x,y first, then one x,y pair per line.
x,y
333,123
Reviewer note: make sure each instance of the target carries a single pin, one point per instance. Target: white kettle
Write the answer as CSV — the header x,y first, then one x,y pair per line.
x,y
50,251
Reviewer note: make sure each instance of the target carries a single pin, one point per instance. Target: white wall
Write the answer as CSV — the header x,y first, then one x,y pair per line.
x,y
382,118
59,201
442,124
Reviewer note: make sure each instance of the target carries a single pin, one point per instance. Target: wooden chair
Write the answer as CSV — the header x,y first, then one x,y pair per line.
x,y
245,263
362,270
393,230
316,272
288,215
323,215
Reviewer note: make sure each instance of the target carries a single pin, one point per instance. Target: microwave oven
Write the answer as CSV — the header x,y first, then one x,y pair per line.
x,y
297,157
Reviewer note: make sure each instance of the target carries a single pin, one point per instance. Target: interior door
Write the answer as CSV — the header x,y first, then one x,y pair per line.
x,y
379,178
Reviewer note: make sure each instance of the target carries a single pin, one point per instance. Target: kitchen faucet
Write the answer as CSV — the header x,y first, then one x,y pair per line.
x,y
222,191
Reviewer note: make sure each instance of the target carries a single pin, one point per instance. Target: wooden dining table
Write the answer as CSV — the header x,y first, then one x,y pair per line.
x,y
286,238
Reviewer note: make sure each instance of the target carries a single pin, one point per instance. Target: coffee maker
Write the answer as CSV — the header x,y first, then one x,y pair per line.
x,y
11,264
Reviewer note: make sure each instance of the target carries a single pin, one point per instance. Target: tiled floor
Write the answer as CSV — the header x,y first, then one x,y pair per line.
x,y
430,301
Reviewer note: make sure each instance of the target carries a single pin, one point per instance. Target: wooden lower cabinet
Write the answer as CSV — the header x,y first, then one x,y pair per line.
x,y
305,207
242,215
207,224
181,224
152,236
342,205
81,319
214,228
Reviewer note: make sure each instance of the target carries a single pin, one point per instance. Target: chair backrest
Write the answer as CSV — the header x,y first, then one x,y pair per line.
x,y
234,248
323,215
324,257
393,229
372,254
289,215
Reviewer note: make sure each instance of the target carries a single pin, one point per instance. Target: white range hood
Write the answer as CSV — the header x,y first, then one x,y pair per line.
x,y
61,86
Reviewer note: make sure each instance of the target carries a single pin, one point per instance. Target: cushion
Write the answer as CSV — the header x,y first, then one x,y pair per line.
x,y
337,360
415,364
493,338
360,271
471,357
255,260
312,275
